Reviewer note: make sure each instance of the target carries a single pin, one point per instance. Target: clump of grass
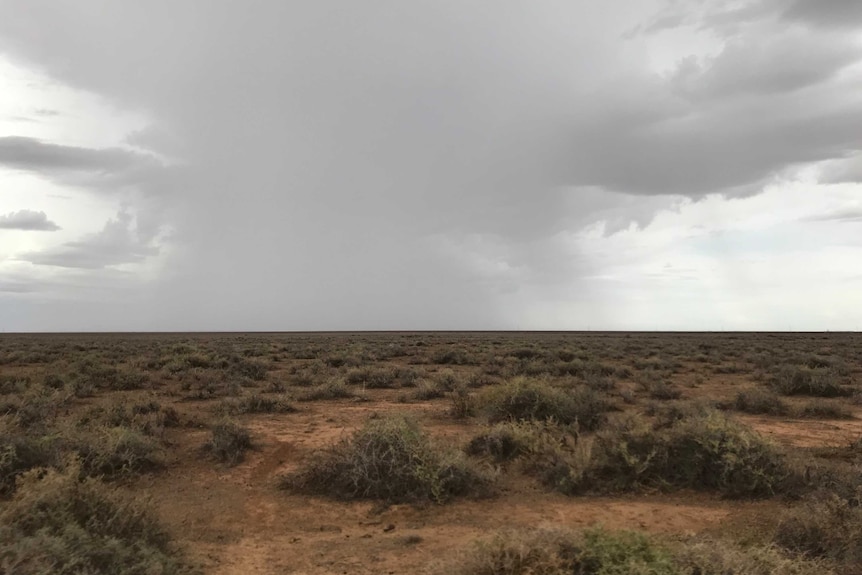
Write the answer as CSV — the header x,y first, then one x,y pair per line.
x,y
820,382
511,440
58,524
522,399
333,389
759,401
707,452
229,442
711,557
605,552
662,391
554,552
426,390
117,451
372,378
20,453
829,527
463,403
822,409
256,403
392,459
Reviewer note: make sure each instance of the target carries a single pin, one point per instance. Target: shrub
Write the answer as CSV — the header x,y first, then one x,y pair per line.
x,y
333,389
372,378
549,552
256,403
709,557
117,451
523,399
20,453
391,459
229,442
426,390
706,451
829,527
463,403
805,381
58,524
821,409
759,401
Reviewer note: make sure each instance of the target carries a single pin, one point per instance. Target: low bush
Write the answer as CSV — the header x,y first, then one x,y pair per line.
x,y
256,403
58,524
390,459
522,399
709,451
605,552
828,527
229,442
759,401
550,552
333,389
820,382
822,409
117,451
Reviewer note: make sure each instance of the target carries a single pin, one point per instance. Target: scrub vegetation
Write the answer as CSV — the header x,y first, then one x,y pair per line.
x,y
466,453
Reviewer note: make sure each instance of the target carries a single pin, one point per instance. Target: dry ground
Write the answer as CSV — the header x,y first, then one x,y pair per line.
x,y
235,519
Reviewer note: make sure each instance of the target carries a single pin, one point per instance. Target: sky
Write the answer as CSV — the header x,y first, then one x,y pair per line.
x,y
201,165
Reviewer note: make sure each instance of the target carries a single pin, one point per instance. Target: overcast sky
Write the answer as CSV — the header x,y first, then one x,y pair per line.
x,y
447,164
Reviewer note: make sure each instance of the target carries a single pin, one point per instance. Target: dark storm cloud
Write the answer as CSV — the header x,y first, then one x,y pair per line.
x,y
27,220
23,153
842,14
116,244
402,164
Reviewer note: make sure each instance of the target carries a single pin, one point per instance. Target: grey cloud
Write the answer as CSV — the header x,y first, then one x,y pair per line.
x,y
116,244
767,65
324,145
31,154
841,14
842,171
27,220
853,215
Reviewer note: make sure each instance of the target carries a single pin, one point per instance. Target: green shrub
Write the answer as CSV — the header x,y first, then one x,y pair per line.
x,y
522,399
391,459
58,524
229,442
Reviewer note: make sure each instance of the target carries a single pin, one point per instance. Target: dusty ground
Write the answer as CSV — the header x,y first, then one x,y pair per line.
x,y
235,520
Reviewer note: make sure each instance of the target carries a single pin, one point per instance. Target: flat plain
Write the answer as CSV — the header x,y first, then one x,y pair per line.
x,y
461,452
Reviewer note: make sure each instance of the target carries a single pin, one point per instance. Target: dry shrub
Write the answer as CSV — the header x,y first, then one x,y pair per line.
x,y
759,401
820,382
522,399
828,527
229,442
709,452
58,524
256,403
603,552
556,552
392,459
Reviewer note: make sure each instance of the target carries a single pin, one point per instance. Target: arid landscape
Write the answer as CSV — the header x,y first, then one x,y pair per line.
x,y
482,453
